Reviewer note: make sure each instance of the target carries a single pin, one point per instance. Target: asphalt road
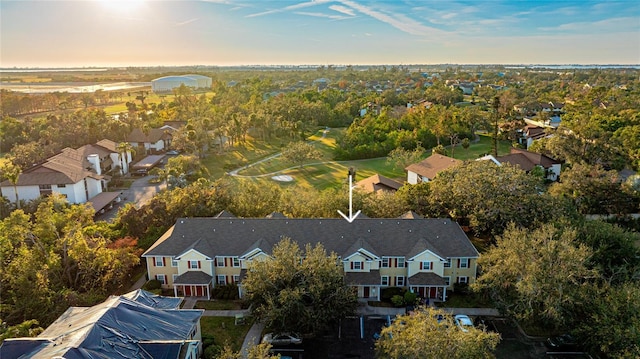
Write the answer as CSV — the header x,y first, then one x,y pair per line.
x,y
140,192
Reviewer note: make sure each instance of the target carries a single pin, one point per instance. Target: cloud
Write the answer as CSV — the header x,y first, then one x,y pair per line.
x,y
290,8
320,14
182,23
342,9
399,21
612,25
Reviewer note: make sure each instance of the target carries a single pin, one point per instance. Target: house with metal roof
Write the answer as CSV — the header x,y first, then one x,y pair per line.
x,y
135,325
427,256
80,175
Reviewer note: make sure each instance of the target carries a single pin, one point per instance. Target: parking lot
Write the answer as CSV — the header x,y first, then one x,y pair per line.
x,y
355,339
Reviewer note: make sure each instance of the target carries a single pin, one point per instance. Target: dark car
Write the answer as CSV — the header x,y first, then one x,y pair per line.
x,y
562,342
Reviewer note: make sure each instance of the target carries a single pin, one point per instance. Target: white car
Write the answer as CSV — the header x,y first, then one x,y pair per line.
x,y
282,339
463,322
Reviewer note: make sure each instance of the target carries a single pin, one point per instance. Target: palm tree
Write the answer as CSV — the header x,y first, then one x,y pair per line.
x,y
11,172
123,149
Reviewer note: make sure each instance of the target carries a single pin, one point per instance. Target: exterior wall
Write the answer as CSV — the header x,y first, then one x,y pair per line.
x,y
412,177
414,265
166,269
206,265
226,269
25,193
94,187
554,172
158,146
366,263
454,271
75,192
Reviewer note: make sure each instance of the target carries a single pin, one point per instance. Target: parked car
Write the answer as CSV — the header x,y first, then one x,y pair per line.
x,y
562,342
463,322
173,152
282,338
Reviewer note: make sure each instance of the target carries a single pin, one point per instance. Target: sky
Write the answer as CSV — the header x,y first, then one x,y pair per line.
x,y
52,33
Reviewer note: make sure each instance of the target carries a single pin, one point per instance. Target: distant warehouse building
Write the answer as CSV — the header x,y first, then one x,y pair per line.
x,y
168,83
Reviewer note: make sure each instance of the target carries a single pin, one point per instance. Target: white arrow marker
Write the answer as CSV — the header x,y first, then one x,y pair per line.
x,y
351,216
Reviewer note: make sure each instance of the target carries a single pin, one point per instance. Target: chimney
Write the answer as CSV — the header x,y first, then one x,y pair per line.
x,y
94,159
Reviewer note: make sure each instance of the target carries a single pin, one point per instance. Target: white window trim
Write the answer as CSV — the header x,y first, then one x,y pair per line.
x,y
174,262
357,264
192,262
403,262
426,265
447,263
236,278
383,264
219,261
447,281
159,261
223,281
382,280
173,278
404,282
466,280
464,262
236,262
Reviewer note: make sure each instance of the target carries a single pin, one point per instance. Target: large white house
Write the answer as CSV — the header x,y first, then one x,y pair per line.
x,y
426,256
77,174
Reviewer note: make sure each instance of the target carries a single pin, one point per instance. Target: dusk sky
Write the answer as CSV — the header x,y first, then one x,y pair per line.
x,y
229,32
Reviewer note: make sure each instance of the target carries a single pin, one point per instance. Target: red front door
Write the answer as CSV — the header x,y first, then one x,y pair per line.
x,y
366,292
187,291
199,291
433,292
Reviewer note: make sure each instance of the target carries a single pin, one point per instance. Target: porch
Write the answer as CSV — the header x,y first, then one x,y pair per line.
x,y
193,284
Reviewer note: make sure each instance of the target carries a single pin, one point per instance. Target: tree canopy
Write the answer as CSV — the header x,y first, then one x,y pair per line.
x,y
301,291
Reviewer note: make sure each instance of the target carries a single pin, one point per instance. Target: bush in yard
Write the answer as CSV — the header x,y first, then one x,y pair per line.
x,y
388,293
152,284
397,300
410,298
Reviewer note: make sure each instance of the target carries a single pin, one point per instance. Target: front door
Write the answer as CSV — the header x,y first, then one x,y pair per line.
x,y
187,291
366,292
199,291
433,292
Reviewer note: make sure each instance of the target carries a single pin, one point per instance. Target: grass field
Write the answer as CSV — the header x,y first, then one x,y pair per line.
x,y
326,173
224,331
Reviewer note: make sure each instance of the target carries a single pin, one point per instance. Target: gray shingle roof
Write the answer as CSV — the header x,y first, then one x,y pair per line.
x,y
363,278
389,237
193,277
425,278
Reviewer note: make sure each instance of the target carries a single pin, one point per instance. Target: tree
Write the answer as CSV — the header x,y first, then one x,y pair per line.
x,y
125,151
534,275
487,197
594,190
299,152
401,158
11,173
431,333
299,291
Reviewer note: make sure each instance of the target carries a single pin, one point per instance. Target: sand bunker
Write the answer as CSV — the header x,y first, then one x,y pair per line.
x,y
282,178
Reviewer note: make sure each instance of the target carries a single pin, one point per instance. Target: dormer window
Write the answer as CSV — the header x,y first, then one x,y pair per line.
x,y
357,265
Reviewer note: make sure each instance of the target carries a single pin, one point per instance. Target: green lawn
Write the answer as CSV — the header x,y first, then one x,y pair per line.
x,y
323,173
224,331
218,305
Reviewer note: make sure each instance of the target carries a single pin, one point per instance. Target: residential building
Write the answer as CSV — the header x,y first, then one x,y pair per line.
x,y
377,183
529,160
427,169
427,256
80,175
135,325
154,141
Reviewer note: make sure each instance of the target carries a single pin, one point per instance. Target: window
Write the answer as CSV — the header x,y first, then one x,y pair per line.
x,y
45,187
161,278
400,281
219,262
174,262
356,265
384,280
400,262
62,186
447,263
464,262
159,261
173,278
447,281
385,262
426,265
236,262
194,264
236,279
463,280
222,280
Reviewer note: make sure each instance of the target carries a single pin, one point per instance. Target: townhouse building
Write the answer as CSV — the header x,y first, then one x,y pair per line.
x,y
426,256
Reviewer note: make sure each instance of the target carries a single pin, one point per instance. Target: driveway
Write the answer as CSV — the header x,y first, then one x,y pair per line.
x,y
140,192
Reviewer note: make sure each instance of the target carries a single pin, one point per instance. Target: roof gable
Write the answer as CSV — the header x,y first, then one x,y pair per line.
x,y
430,166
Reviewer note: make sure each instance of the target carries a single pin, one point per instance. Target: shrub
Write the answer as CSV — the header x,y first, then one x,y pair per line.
x,y
461,288
397,300
410,298
152,284
387,293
